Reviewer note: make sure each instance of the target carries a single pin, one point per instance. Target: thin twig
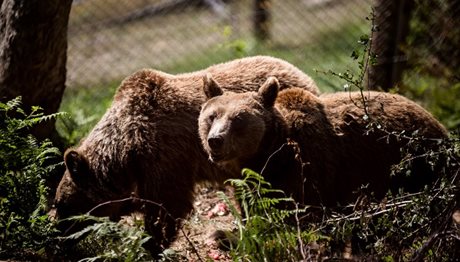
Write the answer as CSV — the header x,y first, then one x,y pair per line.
x,y
299,237
367,56
272,155
420,253
354,216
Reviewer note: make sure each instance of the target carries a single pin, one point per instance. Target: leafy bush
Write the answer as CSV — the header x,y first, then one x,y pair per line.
x,y
433,65
404,226
263,234
25,163
434,37
105,240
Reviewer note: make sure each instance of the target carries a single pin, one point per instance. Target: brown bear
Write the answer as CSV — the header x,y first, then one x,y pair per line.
x,y
146,144
339,147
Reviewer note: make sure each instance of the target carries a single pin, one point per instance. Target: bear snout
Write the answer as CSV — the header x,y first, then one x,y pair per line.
x,y
216,148
216,142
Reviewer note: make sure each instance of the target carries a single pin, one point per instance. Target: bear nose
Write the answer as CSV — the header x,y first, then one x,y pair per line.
x,y
215,142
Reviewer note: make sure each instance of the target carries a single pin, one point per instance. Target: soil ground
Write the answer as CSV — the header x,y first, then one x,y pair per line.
x,y
210,213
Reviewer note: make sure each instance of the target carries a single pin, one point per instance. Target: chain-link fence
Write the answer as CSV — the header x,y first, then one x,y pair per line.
x,y
110,39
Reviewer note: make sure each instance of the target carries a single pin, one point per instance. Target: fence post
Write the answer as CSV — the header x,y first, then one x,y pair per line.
x,y
392,18
261,19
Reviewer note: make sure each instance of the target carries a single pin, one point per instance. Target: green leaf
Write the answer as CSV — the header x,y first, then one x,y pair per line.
x,y
364,39
355,54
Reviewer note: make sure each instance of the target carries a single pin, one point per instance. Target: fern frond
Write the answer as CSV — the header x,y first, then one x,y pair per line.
x,y
3,107
39,117
14,103
24,164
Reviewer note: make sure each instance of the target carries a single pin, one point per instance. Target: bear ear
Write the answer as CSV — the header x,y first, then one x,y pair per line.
x,y
211,87
269,91
77,165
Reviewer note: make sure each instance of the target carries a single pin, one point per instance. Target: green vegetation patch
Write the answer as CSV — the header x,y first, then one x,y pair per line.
x,y
25,164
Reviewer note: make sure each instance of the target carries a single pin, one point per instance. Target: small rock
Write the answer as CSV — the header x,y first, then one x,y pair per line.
x,y
456,216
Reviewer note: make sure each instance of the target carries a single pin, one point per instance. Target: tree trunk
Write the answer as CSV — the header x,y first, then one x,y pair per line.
x,y
261,19
33,47
392,19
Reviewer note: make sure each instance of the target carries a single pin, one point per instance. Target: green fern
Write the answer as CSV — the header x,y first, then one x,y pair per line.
x,y
25,163
111,241
269,231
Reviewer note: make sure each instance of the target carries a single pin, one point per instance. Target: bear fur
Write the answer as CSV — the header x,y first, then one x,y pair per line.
x,y
339,150
146,144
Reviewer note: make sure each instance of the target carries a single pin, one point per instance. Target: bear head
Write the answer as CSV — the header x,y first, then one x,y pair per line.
x,y
232,126
79,190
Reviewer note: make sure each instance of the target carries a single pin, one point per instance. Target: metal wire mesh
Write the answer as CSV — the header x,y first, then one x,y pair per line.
x,y
110,39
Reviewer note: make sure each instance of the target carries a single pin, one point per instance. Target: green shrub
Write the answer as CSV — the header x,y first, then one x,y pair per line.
x,y
25,163
401,227
433,65
263,234
404,226
105,240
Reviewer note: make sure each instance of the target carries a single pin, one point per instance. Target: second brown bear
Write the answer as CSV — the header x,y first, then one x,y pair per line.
x,y
340,150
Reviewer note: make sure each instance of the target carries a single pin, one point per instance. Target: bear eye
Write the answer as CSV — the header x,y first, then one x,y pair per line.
x,y
238,122
211,117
